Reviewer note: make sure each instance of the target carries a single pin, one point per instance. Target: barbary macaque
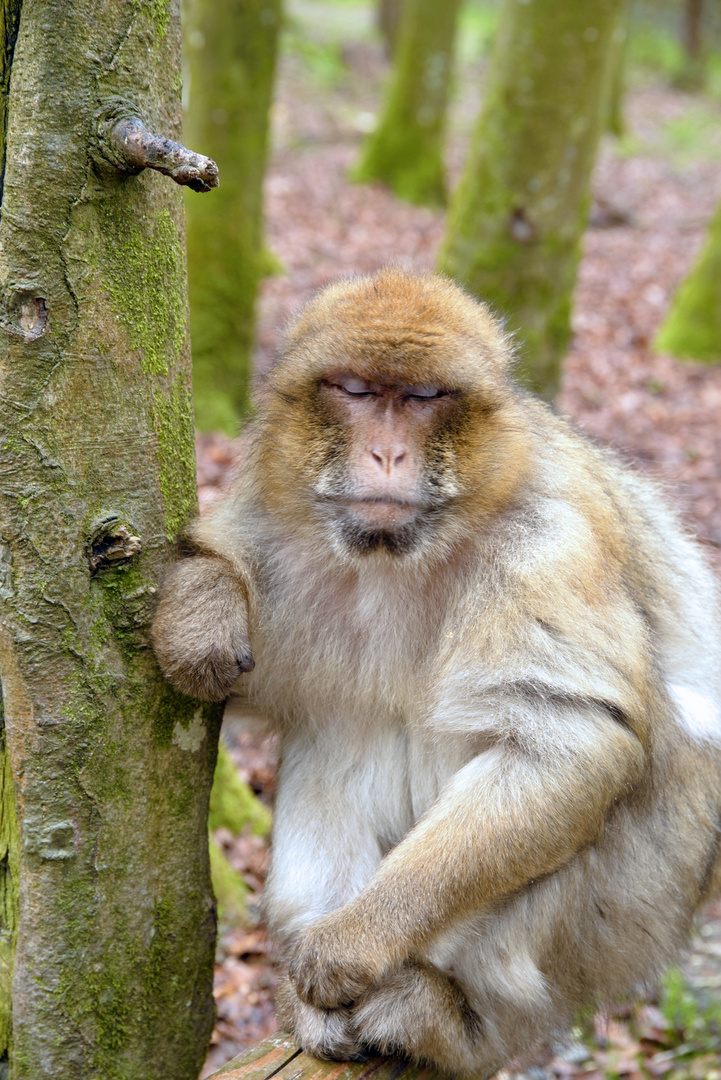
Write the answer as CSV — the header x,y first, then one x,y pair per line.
x,y
493,659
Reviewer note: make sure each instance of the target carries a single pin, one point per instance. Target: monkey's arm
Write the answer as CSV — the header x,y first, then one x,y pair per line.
x,y
200,630
517,812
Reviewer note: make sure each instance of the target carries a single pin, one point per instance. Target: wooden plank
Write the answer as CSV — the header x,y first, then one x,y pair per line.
x,y
280,1057
261,1061
305,1067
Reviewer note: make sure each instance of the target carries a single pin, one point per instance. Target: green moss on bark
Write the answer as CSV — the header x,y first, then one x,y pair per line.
x,y
230,60
9,832
102,1005
173,422
112,769
516,221
158,13
692,328
127,599
406,149
9,23
145,273
9,879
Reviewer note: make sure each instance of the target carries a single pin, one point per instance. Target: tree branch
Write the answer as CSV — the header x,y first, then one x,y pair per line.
x,y
125,142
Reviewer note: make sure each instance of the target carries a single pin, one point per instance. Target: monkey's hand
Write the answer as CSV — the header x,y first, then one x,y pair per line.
x,y
324,1033
335,960
200,630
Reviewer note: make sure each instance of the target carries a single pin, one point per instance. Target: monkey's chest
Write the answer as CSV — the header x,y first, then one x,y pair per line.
x,y
326,664
389,774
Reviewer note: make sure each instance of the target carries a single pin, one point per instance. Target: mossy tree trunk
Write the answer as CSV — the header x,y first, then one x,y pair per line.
x,y
388,18
692,328
692,75
106,771
230,54
406,149
516,221
616,122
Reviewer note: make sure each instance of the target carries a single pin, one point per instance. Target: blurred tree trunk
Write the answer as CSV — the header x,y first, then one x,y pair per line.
x,y
235,807
616,123
406,149
230,51
692,328
105,896
693,73
388,15
516,221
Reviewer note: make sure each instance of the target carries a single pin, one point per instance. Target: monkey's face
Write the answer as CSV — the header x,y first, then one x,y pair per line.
x,y
388,475
390,423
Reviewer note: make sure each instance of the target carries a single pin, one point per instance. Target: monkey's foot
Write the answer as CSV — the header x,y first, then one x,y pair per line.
x,y
419,1012
335,960
324,1033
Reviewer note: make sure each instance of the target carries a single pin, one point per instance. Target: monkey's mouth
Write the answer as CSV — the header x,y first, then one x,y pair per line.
x,y
395,526
380,513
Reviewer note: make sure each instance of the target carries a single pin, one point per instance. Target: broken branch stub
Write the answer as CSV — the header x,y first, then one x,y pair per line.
x,y
124,141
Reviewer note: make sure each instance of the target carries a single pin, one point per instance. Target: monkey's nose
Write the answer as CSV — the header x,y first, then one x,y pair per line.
x,y
388,458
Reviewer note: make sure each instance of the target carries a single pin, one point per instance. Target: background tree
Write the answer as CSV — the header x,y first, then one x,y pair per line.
x,y
388,17
406,149
692,75
692,328
230,55
105,897
516,221
616,123
235,807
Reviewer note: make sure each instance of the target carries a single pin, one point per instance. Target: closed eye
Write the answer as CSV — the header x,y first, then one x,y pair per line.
x,y
424,393
353,386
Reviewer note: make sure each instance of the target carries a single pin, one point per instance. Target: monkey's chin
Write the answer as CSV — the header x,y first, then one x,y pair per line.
x,y
394,528
361,540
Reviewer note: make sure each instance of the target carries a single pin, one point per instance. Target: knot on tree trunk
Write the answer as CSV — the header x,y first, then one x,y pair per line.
x,y
124,142
24,315
111,543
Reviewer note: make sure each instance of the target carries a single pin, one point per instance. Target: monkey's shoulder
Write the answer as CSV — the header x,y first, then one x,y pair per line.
x,y
600,523
589,584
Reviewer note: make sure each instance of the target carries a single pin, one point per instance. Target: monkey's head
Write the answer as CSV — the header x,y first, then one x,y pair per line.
x,y
390,420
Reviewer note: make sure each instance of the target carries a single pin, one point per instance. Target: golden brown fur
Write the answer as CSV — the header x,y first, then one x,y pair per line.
x,y
493,658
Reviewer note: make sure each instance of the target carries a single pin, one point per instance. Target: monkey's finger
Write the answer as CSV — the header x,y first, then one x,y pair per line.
x,y
245,662
328,987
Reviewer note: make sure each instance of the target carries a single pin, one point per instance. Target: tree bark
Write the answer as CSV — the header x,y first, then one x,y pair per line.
x,y
616,122
230,63
516,221
692,75
692,328
106,874
406,149
388,17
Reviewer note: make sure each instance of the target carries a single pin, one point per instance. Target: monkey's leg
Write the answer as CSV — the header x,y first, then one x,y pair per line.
x,y
325,1033
515,813
419,1012
604,925
325,827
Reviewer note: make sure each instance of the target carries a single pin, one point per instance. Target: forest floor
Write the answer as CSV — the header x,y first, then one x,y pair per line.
x,y
654,193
